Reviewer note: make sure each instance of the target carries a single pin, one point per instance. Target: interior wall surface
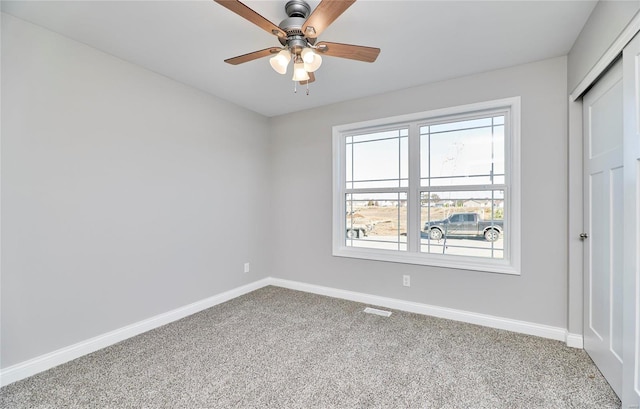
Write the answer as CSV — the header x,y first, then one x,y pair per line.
x,y
606,22
301,221
124,194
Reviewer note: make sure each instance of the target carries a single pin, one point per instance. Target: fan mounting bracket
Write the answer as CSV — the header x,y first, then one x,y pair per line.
x,y
297,8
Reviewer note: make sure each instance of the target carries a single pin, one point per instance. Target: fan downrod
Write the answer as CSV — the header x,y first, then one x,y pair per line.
x,y
297,8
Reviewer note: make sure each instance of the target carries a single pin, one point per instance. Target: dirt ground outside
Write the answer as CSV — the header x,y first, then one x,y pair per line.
x,y
392,220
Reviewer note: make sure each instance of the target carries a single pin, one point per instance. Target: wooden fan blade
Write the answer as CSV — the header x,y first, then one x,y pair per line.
x,y
350,51
248,13
325,14
252,56
312,78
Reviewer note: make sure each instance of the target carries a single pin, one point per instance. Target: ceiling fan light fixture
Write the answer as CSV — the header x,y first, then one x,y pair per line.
x,y
280,61
307,55
312,61
297,36
299,73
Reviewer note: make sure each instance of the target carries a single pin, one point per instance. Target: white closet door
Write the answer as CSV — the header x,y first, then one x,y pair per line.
x,y
631,84
603,167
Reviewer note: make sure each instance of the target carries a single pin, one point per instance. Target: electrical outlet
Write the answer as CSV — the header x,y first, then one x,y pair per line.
x,y
247,267
406,280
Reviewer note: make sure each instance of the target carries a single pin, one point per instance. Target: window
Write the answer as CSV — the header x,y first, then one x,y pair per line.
x,y
437,188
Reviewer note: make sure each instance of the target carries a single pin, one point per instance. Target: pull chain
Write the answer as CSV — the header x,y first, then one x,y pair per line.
x,y
295,87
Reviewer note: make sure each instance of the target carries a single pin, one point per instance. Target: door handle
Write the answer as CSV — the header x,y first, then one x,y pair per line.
x,y
584,236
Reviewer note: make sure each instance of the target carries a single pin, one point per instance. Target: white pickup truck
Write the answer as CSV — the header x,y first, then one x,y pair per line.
x,y
358,230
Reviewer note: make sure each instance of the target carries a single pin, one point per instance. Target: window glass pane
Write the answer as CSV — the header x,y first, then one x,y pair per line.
x,y
498,152
349,166
462,153
451,126
424,155
376,220
463,223
378,160
404,159
374,136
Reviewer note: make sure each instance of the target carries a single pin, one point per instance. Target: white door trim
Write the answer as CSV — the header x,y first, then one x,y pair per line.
x,y
607,58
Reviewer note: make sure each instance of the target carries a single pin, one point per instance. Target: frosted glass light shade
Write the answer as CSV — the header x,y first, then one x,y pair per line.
x,y
299,73
312,60
280,61
307,55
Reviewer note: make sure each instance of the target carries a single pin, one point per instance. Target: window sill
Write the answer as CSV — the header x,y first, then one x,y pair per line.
x,y
433,260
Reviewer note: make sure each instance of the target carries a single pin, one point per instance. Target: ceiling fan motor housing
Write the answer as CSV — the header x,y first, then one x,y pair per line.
x,y
298,11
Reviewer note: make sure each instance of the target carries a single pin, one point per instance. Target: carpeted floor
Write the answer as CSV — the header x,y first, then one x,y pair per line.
x,y
277,348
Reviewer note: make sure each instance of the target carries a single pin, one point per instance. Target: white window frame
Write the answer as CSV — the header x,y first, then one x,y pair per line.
x,y
512,202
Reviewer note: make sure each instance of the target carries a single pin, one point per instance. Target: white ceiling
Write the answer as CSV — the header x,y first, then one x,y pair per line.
x,y
421,42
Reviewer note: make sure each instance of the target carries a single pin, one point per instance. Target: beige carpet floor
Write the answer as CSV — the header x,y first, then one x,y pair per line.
x,y
278,348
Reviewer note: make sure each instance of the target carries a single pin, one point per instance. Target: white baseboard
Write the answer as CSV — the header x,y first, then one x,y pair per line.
x,y
523,327
575,341
47,361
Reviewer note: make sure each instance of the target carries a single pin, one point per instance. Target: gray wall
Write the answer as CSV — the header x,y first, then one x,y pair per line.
x,y
124,194
302,199
605,23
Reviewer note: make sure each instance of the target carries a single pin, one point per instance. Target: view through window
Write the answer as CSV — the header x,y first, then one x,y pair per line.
x,y
462,187
429,190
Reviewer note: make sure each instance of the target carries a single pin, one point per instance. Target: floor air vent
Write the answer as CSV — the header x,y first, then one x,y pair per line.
x,y
376,311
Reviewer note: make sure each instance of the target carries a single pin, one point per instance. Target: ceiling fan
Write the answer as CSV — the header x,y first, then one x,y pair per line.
x,y
298,35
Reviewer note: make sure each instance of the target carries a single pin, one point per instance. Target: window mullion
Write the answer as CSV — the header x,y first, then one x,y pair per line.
x,y
413,199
